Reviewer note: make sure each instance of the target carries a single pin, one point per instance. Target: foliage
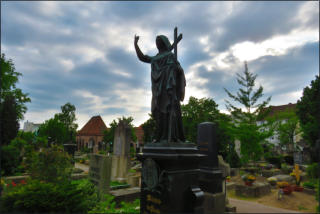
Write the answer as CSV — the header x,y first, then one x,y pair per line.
x,y
245,126
8,80
50,165
9,119
309,184
41,197
149,129
117,183
108,205
286,126
201,110
313,171
108,135
308,111
195,112
10,160
54,130
68,118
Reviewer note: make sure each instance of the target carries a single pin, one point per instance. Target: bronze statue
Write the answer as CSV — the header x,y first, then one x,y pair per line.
x,y
168,88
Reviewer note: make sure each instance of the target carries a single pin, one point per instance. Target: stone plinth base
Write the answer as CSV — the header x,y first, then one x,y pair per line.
x,y
257,189
214,203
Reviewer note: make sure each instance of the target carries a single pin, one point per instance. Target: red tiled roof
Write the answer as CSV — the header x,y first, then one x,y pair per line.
x,y
139,133
277,109
95,126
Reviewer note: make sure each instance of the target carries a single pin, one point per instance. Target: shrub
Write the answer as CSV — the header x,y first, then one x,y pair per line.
x,y
51,165
108,205
38,197
309,184
10,160
313,171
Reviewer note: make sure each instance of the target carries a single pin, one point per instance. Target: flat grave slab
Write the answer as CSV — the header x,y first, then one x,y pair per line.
x,y
257,189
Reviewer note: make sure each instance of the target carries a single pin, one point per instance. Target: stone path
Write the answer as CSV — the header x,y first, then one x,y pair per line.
x,y
252,207
82,166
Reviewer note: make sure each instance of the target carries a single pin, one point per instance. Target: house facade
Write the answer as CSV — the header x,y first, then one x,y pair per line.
x,y
91,134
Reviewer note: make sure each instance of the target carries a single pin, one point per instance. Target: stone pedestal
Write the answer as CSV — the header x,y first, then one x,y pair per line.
x,y
170,178
214,203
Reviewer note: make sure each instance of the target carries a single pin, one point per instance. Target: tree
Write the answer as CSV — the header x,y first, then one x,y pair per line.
x,y
68,118
206,110
108,136
245,126
8,79
9,120
195,112
55,130
308,112
287,128
149,129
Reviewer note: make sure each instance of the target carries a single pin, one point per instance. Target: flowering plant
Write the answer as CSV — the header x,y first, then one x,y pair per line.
x,y
283,184
250,178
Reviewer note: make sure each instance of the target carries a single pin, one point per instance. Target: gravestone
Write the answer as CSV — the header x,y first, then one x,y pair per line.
x,y
121,152
170,178
99,172
213,170
297,157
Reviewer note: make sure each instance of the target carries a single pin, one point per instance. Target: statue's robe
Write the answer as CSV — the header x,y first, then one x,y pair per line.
x,y
168,89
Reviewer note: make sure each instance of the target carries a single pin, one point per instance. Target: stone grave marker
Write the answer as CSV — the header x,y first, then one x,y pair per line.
x,y
213,170
99,172
121,152
297,157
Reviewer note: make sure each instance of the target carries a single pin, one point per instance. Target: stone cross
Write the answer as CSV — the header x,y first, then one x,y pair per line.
x,y
175,42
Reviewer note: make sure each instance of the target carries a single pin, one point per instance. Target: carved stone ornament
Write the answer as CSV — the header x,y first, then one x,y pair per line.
x,y
150,173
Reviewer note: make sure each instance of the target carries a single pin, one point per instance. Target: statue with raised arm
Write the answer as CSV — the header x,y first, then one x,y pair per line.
x,y
168,88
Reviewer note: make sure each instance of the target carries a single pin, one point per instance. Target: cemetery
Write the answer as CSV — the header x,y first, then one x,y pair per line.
x,y
187,157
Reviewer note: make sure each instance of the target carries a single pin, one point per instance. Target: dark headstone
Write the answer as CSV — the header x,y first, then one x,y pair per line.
x,y
70,148
207,144
170,178
210,176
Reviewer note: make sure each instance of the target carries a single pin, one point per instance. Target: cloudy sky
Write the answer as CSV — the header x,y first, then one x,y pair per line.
x,y
83,53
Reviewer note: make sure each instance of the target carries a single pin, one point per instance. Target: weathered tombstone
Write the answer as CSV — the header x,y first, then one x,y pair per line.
x,y
70,148
121,152
99,172
297,157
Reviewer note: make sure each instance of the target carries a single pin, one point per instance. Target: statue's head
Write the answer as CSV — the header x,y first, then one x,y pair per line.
x,y
163,43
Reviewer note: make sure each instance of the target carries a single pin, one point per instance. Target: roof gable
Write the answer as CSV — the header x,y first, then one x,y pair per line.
x,y
95,126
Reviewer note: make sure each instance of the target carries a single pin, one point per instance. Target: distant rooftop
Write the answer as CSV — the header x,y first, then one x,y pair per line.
x,y
95,126
277,109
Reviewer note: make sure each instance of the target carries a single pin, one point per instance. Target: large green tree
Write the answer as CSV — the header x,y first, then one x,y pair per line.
x,y
8,80
286,126
55,131
245,127
68,118
12,101
9,120
197,111
308,111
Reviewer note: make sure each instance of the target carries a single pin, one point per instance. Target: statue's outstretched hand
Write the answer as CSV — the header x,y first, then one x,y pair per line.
x,y
136,39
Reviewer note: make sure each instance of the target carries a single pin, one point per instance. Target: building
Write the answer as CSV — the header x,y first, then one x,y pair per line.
x,y
273,111
91,134
30,127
